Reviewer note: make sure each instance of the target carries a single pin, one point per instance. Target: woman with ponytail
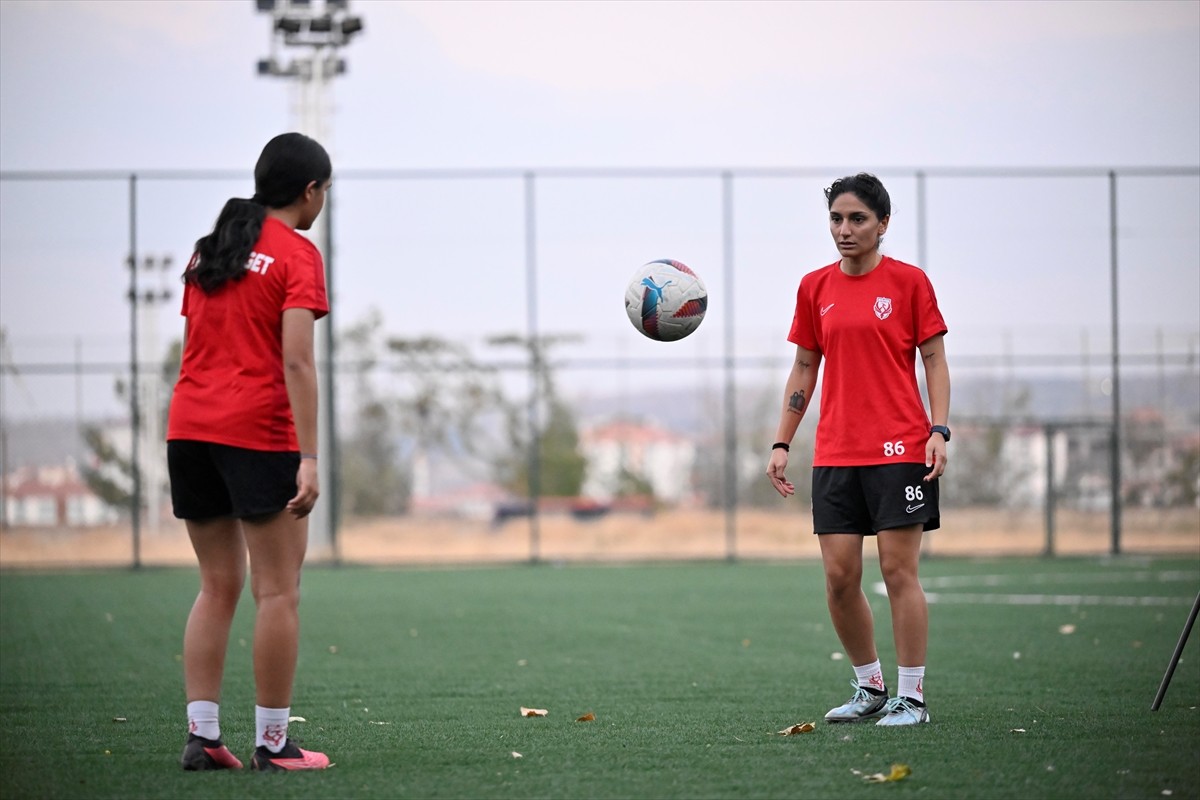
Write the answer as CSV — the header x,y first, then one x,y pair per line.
x,y
242,442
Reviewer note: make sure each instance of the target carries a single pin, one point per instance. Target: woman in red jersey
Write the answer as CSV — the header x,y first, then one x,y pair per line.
x,y
878,455
242,442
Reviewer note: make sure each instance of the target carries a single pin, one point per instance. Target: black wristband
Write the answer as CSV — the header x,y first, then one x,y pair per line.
x,y
784,446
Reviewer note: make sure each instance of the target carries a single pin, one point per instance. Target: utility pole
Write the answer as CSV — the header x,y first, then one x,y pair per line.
x,y
152,450
317,29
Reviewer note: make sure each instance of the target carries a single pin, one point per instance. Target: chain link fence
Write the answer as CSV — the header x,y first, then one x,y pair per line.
x,y
491,403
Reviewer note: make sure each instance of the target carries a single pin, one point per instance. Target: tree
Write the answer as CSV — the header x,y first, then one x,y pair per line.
x,y
444,403
1183,482
561,466
980,472
110,475
372,478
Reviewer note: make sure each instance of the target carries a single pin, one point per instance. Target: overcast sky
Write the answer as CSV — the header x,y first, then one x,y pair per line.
x,y
165,83
887,86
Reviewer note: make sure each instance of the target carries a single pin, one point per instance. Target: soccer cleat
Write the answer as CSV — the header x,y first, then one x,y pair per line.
x,y
200,753
904,711
865,704
289,758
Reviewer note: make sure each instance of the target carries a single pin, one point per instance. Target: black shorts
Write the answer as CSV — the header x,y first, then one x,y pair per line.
x,y
216,480
867,500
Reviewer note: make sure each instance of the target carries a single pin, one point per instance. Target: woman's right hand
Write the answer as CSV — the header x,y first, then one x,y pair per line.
x,y
775,469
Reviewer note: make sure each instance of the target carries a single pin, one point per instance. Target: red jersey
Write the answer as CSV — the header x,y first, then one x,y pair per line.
x,y
867,329
231,388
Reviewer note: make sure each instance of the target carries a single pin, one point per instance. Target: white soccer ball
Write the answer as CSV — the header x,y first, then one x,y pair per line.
x,y
665,300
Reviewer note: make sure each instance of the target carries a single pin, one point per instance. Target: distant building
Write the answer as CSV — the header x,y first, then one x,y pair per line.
x,y
52,497
662,458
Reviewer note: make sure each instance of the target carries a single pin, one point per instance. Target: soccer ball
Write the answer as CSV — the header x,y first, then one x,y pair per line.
x,y
665,300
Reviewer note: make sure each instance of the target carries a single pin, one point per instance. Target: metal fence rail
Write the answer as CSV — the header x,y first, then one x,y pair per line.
x,y
537,206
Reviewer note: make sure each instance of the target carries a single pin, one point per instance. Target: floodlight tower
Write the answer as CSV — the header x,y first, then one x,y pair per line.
x,y
317,30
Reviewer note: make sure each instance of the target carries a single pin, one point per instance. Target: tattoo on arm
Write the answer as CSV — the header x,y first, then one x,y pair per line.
x,y
796,402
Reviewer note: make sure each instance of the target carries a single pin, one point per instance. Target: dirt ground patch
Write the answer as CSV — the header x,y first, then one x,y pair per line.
x,y
667,535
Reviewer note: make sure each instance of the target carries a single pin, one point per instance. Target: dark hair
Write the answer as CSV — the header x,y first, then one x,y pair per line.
x,y
288,164
865,187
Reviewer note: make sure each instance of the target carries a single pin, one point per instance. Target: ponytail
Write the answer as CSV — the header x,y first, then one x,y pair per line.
x,y
288,164
221,255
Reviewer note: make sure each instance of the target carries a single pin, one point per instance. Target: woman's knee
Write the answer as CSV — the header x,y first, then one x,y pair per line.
x,y
276,588
842,580
899,576
223,589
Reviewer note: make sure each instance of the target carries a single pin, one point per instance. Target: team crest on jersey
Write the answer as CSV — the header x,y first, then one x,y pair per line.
x,y
883,307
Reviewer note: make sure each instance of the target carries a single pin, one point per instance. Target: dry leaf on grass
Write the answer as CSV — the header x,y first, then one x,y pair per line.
x,y
899,772
588,717
297,719
800,727
533,712
515,754
1066,629
120,719
1017,730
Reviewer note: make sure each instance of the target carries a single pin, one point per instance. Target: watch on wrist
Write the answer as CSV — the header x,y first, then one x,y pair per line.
x,y
943,430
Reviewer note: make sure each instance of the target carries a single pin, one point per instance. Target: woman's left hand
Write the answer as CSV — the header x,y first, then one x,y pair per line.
x,y
935,456
306,489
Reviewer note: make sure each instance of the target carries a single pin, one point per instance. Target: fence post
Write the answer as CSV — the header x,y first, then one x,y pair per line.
x,y
535,356
731,459
922,254
1115,465
1051,496
135,417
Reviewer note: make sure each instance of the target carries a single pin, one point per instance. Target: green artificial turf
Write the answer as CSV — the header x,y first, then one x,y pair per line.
x,y
412,681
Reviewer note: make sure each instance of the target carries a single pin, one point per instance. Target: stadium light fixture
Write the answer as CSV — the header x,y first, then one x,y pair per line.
x,y
306,24
288,24
318,28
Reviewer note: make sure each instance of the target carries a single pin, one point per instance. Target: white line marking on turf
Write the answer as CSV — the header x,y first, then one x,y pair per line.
x,y
1045,599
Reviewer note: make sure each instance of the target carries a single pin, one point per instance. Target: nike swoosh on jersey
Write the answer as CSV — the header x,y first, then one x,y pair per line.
x,y
911,509
825,310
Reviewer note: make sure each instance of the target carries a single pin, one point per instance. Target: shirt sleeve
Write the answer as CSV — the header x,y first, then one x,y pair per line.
x,y
929,321
185,303
803,333
305,286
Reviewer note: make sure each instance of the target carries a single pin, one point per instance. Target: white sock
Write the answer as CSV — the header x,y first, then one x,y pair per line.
x,y
271,726
870,676
203,719
912,683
